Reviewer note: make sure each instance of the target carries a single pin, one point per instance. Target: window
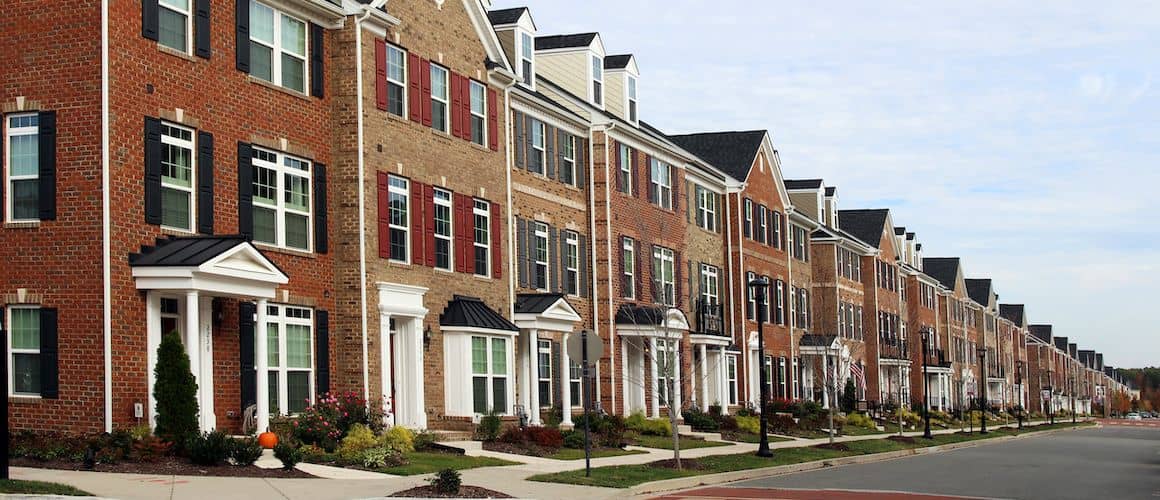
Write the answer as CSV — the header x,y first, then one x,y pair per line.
x,y
748,226
481,212
536,155
23,167
24,350
631,99
489,369
439,92
710,284
664,286
478,113
443,246
597,81
571,263
706,208
628,264
625,173
765,301
762,225
527,68
174,24
776,236
177,177
779,308
544,367
290,356
540,276
842,319
731,377
800,245
751,310
398,197
277,47
575,377
662,180
667,361
282,208
568,159
781,376
396,81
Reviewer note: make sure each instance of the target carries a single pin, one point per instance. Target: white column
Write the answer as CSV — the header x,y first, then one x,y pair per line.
x,y
262,392
208,418
524,372
655,407
825,382
152,342
390,412
534,380
624,383
722,383
675,355
566,388
192,330
707,378
416,401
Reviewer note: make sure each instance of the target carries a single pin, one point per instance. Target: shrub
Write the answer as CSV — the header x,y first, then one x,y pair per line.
x,y
648,426
715,410
553,417
381,456
175,391
312,453
288,454
359,439
781,405
423,440
849,396
699,421
744,412
326,422
489,427
607,430
511,435
780,424
807,408
748,424
548,437
398,438
245,451
727,422
860,420
209,449
447,481
574,439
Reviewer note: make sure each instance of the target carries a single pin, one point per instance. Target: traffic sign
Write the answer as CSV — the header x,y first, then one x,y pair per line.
x,y
576,348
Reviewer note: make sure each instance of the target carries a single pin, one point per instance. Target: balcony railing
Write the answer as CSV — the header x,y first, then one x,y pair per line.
x,y
937,357
892,349
709,318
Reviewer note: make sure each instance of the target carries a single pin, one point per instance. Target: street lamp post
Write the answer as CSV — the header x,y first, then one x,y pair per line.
x,y
926,386
983,389
1019,387
760,287
1071,389
1050,400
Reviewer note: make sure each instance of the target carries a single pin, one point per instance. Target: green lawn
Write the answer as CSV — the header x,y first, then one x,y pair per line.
x,y
666,442
624,476
853,430
424,462
745,437
578,454
16,486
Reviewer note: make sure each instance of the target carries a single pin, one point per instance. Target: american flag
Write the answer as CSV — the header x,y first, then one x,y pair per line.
x,y
858,374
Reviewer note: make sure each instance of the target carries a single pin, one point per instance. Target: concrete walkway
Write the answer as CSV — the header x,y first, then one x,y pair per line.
x,y
346,484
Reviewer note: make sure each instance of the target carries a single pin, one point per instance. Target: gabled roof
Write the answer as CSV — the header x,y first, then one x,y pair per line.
x,y
1060,343
535,303
943,269
864,224
899,231
792,184
732,152
979,290
618,61
814,340
472,312
505,16
1013,312
1073,350
550,42
631,314
1041,332
830,190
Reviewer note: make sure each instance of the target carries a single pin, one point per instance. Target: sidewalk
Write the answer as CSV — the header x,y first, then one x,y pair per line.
x,y
511,479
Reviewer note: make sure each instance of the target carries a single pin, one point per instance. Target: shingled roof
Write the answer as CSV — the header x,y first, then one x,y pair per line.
x,y
535,303
943,269
732,152
864,224
617,61
1041,332
505,16
1013,312
472,312
979,290
803,183
564,41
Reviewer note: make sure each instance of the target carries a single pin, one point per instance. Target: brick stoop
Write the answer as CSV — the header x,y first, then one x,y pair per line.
x,y
443,436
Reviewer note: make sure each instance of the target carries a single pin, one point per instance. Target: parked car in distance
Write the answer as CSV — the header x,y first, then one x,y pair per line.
x,y
1133,416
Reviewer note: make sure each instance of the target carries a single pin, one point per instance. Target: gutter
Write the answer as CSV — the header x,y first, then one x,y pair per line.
x,y
106,250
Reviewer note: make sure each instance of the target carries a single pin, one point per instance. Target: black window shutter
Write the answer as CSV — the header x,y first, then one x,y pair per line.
x,y
316,71
201,28
584,269
554,265
49,361
528,124
581,159
246,346
245,190
518,120
47,151
677,302
522,251
242,35
204,182
550,151
557,378
149,19
152,171
637,251
320,223
321,351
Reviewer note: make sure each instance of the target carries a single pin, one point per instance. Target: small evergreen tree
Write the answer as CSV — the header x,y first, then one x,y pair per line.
x,y
175,391
849,396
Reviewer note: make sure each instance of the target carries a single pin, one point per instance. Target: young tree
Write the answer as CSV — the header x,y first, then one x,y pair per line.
x,y
666,359
175,391
849,396
829,374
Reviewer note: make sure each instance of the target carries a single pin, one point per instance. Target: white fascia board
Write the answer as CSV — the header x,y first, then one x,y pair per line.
x,y
551,119
468,330
716,340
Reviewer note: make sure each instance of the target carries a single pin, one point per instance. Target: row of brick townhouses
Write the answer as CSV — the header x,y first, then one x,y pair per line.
x,y
422,202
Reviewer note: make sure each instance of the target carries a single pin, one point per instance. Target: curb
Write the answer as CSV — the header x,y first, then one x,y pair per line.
x,y
682,483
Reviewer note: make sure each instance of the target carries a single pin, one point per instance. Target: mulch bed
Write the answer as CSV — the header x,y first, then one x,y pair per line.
x,y
464,492
686,463
530,450
166,466
835,446
902,439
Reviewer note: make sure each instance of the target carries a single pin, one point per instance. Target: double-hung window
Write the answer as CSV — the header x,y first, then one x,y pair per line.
x,y
544,370
396,81
478,113
177,190
842,319
23,350
762,224
710,284
662,180
527,67
779,308
481,216
664,284
575,385
624,158
444,257
632,99
571,263
706,208
398,198
439,98
536,156
765,301
540,264
858,322
731,377
290,356
277,47
174,24
23,162
748,226
751,307
567,165
489,374
282,205
776,236
597,81
666,364
628,264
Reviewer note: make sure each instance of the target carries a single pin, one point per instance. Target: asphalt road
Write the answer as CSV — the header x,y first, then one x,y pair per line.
x,y
1109,462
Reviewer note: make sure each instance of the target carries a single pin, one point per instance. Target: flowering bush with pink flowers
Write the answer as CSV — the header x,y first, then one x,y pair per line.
x,y
327,421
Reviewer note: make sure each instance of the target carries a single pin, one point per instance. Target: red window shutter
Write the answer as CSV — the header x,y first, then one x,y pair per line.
x,y
493,123
384,218
381,74
425,99
465,107
429,223
462,228
414,88
456,105
496,243
418,241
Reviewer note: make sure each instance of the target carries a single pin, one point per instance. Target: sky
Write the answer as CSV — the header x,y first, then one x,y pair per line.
x,y
1023,137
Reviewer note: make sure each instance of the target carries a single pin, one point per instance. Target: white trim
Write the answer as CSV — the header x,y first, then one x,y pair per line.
x,y
11,351
279,206
391,81
106,223
189,145
445,100
405,192
276,48
484,212
188,13
241,271
9,177
450,236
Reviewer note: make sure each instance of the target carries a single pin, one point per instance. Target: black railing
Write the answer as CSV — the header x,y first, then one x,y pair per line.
x,y
892,348
709,318
937,357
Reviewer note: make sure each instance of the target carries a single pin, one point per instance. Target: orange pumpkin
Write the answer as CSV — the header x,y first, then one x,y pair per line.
x,y
268,440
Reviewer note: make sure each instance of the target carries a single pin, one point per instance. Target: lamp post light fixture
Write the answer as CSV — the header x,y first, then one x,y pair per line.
x,y
759,287
926,336
1050,400
1019,387
1072,391
983,389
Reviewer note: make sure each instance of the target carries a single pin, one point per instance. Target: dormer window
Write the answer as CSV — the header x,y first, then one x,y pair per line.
x,y
632,99
597,81
527,68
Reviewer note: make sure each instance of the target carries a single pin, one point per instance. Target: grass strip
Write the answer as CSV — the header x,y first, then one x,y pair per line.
x,y
423,462
21,487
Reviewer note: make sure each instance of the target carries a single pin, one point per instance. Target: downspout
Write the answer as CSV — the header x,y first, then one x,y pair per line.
x,y
789,270
511,218
362,218
106,251
608,249
744,285
732,278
